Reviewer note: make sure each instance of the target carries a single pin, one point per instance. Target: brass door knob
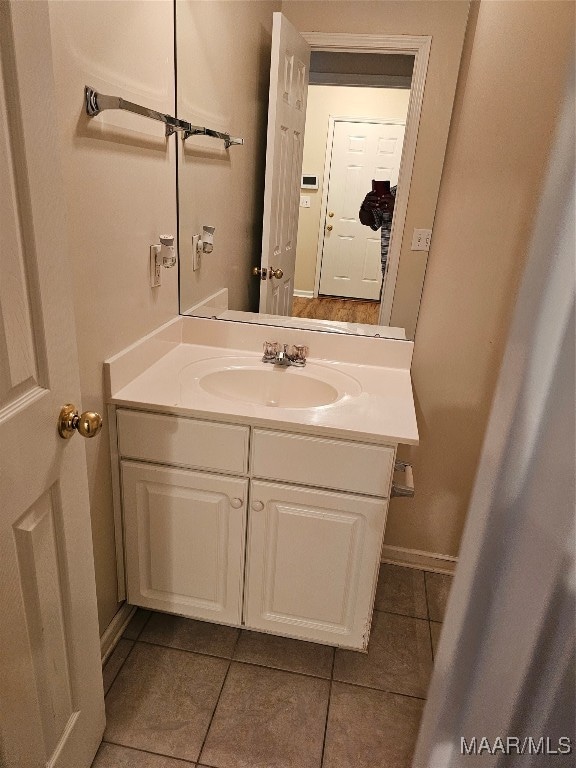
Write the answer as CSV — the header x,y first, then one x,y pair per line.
x,y
331,214
88,423
329,227
277,273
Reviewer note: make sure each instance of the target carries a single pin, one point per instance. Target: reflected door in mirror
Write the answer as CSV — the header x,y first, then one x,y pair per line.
x,y
290,60
351,259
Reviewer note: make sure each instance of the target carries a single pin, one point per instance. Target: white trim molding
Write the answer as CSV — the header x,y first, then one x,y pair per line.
x,y
115,630
117,504
415,558
359,80
419,47
303,294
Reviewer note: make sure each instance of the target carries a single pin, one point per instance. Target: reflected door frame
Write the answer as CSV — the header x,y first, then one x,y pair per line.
x,y
419,47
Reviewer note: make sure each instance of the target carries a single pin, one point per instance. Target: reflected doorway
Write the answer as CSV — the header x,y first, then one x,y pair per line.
x,y
338,261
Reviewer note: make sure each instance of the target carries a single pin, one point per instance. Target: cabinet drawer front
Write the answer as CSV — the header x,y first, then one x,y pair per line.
x,y
184,541
313,559
316,461
186,442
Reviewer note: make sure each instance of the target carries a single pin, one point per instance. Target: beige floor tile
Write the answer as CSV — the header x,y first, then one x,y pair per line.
x,y
267,718
401,590
399,657
285,653
435,630
113,756
115,661
190,635
136,624
370,729
163,699
437,590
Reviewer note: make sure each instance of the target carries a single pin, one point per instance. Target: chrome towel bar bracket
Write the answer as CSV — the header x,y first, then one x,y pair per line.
x,y
98,102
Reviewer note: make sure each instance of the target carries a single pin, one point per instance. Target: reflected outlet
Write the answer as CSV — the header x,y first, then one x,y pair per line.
x,y
421,240
196,252
155,266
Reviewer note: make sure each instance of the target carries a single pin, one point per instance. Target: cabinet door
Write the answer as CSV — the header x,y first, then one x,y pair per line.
x,y
313,559
184,540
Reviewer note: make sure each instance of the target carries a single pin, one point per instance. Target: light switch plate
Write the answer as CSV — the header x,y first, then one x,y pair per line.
x,y
421,239
304,201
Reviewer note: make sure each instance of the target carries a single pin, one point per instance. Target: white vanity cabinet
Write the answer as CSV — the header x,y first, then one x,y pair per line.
x,y
184,528
272,530
184,534
313,553
312,563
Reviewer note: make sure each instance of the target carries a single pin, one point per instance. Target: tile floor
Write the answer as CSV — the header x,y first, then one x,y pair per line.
x,y
184,693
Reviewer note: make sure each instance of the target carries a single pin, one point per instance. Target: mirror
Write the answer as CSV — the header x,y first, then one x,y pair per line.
x,y
376,109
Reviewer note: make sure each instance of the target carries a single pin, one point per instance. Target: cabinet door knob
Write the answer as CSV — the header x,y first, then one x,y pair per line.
x,y
236,503
257,506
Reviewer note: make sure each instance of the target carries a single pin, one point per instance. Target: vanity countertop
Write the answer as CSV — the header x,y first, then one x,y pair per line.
x,y
380,409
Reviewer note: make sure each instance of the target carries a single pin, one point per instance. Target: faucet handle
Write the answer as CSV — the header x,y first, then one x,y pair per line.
x,y
271,349
299,352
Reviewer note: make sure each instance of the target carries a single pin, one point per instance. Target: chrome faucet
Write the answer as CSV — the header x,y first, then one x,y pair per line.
x,y
279,355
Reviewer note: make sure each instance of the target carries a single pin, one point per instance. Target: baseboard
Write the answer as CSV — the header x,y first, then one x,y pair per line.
x,y
304,294
414,558
115,630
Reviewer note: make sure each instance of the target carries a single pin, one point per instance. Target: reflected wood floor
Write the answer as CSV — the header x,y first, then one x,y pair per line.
x,y
342,310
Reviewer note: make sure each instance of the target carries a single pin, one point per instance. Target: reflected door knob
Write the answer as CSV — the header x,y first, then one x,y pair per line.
x,y
88,423
329,227
277,273
331,214
236,503
257,506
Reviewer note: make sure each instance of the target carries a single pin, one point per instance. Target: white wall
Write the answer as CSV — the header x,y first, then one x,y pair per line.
x,y
505,665
120,189
446,22
223,72
119,173
324,101
120,176
507,102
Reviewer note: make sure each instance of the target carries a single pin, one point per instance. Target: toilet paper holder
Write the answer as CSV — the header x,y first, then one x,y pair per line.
x,y
406,489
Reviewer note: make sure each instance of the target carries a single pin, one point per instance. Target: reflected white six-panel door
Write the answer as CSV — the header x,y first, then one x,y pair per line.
x,y
351,259
289,71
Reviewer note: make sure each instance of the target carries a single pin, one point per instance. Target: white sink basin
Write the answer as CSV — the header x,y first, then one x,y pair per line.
x,y
250,381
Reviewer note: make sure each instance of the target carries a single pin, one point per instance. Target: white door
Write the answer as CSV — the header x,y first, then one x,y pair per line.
x,y
289,73
313,559
361,151
51,697
184,538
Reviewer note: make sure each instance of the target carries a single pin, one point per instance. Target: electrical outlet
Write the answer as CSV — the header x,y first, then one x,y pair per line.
x,y
421,239
196,252
304,201
155,266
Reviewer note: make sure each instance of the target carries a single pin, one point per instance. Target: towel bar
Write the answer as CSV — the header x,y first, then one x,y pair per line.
x,y
98,102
